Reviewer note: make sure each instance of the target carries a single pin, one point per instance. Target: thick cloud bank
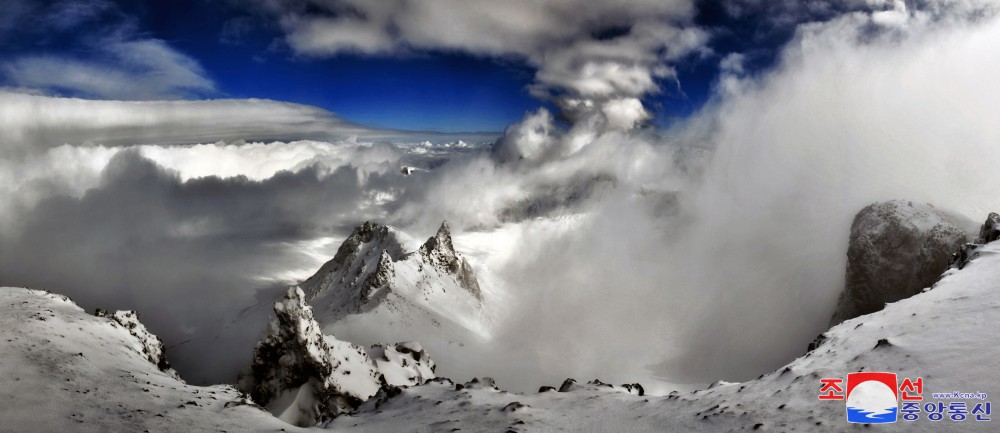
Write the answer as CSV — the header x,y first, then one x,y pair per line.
x,y
713,250
33,121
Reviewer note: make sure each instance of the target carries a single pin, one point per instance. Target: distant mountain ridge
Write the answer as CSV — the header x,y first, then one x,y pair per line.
x,y
373,269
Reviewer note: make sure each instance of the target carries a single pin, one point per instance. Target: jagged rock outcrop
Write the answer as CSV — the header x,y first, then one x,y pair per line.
x,y
149,345
303,376
988,232
372,267
403,364
439,252
897,248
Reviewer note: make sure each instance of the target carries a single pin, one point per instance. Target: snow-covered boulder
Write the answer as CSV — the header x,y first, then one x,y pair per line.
x,y
149,345
403,364
897,248
303,376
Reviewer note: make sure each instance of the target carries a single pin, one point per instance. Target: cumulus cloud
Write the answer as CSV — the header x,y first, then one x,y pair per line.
x,y
594,51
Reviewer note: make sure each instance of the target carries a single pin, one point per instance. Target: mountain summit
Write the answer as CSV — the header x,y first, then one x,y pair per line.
x,y
374,269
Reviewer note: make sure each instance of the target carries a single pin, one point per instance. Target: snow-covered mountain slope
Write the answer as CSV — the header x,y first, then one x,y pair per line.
x,y
64,370
946,335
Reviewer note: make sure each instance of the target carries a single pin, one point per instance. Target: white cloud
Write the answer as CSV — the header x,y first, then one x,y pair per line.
x,y
139,69
594,50
30,122
120,62
700,260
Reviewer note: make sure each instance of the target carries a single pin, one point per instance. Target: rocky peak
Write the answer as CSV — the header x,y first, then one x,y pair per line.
x,y
358,256
438,249
439,252
303,376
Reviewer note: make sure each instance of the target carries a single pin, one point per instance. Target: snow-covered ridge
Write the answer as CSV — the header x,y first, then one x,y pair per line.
x,y
83,373
149,345
62,369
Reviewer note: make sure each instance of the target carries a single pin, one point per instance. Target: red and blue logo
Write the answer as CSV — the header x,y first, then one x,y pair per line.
x,y
872,398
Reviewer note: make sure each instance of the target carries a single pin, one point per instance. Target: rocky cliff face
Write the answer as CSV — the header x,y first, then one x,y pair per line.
x,y
305,377
896,249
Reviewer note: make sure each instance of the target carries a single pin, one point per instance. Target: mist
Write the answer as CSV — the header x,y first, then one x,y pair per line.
x,y
712,250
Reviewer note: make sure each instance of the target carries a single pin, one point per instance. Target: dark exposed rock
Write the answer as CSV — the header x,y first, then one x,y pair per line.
x,y
598,382
546,389
296,359
438,251
634,388
403,364
964,254
383,395
818,341
482,383
990,230
896,249
514,406
567,385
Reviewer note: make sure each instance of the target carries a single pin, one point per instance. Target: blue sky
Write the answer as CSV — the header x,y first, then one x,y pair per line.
x,y
232,50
